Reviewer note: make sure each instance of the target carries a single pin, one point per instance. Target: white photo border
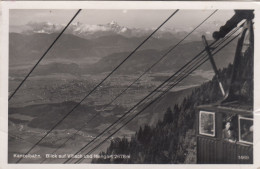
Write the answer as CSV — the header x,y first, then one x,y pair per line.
x,y
6,5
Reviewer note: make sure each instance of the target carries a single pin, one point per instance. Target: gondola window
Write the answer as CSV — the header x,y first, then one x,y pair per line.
x,y
207,123
245,130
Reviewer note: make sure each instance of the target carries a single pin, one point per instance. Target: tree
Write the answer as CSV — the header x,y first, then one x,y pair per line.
x,y
168,116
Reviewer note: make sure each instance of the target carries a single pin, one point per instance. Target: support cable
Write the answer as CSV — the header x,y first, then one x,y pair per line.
x,y
64,117
153,65
195,67
26,77
138,104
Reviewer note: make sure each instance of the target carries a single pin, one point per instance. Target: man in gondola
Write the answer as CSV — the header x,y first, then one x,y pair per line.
x,y
228,133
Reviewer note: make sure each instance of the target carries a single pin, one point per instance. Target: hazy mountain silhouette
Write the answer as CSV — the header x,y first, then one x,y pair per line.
x,y
28,48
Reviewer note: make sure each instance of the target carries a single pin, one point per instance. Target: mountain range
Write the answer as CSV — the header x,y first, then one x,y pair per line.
x,y
104,53
99,48
29,47
88,31
178,57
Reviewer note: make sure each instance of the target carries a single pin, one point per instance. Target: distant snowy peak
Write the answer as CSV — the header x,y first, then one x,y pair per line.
x,y
76,28
95,31
113,28
117,28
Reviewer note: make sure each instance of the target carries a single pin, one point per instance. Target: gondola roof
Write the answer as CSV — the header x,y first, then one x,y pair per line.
x,y
231,107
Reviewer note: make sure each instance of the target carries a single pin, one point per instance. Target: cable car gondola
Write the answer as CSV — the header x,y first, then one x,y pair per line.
x,y
225,129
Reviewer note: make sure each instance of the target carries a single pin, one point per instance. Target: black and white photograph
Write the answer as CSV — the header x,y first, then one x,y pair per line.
x,y
131,86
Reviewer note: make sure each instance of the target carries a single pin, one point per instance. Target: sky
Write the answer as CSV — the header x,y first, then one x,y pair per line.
x,y
129,18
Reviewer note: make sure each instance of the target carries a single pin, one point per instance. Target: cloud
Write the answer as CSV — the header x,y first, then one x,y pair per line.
x,y
44,27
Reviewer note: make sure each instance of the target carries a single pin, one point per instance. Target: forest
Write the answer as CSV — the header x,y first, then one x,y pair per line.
x,y
172,139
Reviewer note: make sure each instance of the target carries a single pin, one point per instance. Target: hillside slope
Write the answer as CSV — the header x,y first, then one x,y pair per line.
x,y
172,140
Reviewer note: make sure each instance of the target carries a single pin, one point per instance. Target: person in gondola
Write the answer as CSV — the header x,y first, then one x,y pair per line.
x,y
247,133
228,133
